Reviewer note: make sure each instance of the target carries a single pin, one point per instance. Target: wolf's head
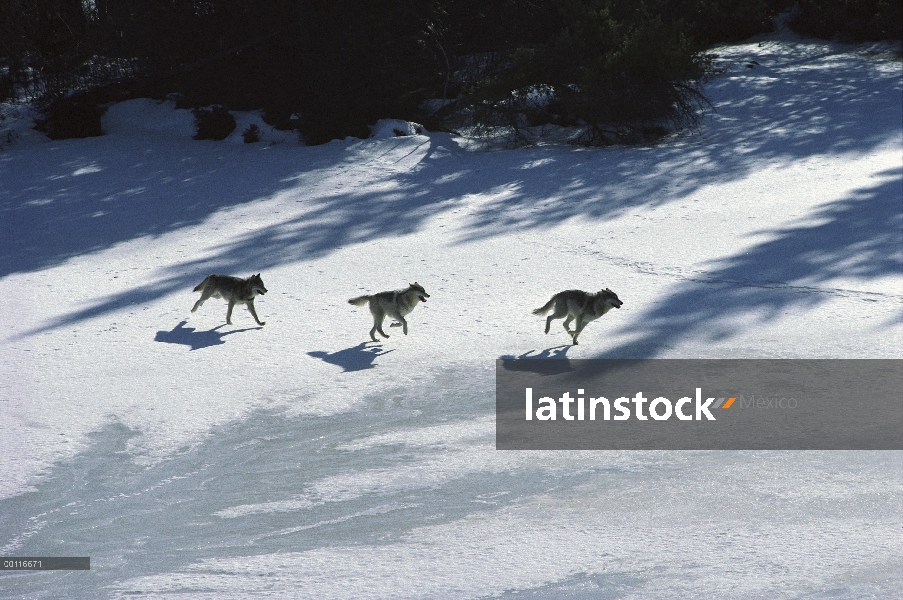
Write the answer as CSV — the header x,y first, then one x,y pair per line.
x,y
422,295
610,298
257,287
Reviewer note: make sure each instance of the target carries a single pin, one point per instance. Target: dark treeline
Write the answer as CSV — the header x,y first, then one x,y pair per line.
x,y
329,68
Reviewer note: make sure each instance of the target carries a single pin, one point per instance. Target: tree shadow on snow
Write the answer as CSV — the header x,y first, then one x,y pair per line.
x,y
189,336
81,196
859,237
270,485
266,483
357,358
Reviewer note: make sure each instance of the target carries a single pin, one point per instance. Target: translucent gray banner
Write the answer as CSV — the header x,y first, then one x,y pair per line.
x,y
45,563
699,404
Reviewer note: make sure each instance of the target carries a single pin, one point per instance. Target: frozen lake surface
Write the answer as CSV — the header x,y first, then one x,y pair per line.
x,y
193,459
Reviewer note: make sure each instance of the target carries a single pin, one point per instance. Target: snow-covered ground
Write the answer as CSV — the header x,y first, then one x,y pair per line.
x,y
192,459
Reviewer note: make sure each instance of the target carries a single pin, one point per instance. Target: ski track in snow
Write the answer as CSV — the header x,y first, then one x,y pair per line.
x,y
191,459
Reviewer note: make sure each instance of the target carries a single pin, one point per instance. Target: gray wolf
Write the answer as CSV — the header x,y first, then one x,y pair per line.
x,y
580,305
233,290
395,304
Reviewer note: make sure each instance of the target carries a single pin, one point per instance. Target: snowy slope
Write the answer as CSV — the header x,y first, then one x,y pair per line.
x,y
193,459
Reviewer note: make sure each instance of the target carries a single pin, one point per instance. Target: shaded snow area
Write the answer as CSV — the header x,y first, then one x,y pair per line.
x,y
193,459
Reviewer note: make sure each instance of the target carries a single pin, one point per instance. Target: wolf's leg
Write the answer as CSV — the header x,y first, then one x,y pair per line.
x,y
580,325
404,324
205,294
254,313
567,324
400,321
561,310
378,317
229,312
379,328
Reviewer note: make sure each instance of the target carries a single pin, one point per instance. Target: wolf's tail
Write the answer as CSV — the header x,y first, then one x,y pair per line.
x,y
201,285
548,306
359,301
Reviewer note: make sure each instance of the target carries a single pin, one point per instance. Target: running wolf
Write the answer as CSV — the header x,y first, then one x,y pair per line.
x,y
394,304
580,305
233,290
